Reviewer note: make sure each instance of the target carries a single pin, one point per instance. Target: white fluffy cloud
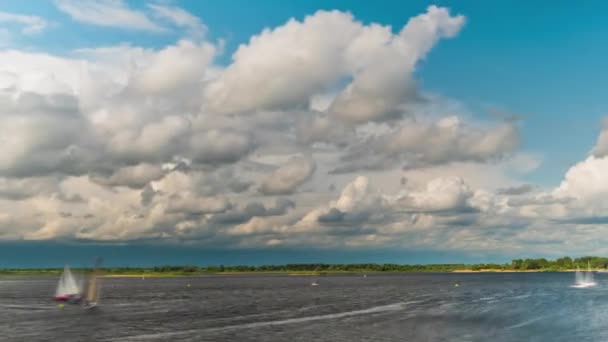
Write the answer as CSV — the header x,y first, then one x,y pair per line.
x,y
441,194
383,65
287,66
173,68
313,135
587,180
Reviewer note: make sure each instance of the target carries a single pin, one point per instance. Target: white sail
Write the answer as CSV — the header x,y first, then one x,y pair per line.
x,y
589,277
584,279
579,278
67,284
93,289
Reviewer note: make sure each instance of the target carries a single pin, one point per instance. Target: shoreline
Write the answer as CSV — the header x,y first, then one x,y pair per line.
x,y
283,273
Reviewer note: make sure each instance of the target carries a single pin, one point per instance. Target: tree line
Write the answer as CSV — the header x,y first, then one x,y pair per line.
x,y
540,264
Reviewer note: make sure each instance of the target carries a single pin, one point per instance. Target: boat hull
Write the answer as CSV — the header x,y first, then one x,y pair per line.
x,y
73,298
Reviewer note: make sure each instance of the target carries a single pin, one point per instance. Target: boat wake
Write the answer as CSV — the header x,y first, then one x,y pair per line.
x,y
372,310
584,285
376,309
28,307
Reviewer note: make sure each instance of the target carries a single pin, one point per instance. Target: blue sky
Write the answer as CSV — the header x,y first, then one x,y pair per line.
x,y
489,190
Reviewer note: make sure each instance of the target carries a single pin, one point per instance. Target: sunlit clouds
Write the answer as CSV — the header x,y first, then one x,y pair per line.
x,y
315,133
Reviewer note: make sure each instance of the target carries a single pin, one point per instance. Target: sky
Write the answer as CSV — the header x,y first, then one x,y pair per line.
x,y
341,131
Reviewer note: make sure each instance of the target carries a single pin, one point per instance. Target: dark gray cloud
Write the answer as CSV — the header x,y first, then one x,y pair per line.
x,y
360,217
333,215
220,146
288,177
44,135
20,189
516,190
71,198
584,220
253,209
135,177
415,144
545,199
191,205
147,194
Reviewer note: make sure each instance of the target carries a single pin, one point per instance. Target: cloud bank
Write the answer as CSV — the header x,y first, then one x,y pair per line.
x,y
315,134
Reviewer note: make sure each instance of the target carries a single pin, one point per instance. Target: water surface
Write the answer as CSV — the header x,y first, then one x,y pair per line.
x,y
381,307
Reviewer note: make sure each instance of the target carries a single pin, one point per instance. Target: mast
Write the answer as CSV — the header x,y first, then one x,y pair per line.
x,y
93,288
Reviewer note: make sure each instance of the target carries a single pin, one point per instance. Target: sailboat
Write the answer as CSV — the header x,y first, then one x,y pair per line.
x,y
583,280
93,289
67,289
315,282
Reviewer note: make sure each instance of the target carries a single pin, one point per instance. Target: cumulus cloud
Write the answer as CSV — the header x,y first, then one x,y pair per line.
x,y
353,195
204,183
147,195
304,59
217,146
281,68
384,64
132,176
125,142
516,190
43,134
441,194
18,189
539,199
288,177
194,205
173,68
417,143
358,204
586,180
253,209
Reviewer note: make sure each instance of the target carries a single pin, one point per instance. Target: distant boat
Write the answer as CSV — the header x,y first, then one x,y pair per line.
x,y
67,289
93,289
316,271
584,279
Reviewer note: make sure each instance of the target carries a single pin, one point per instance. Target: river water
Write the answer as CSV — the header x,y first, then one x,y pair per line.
x,y
380,307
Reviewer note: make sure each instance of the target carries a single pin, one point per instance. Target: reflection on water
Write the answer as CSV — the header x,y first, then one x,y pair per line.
x,y
381,307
